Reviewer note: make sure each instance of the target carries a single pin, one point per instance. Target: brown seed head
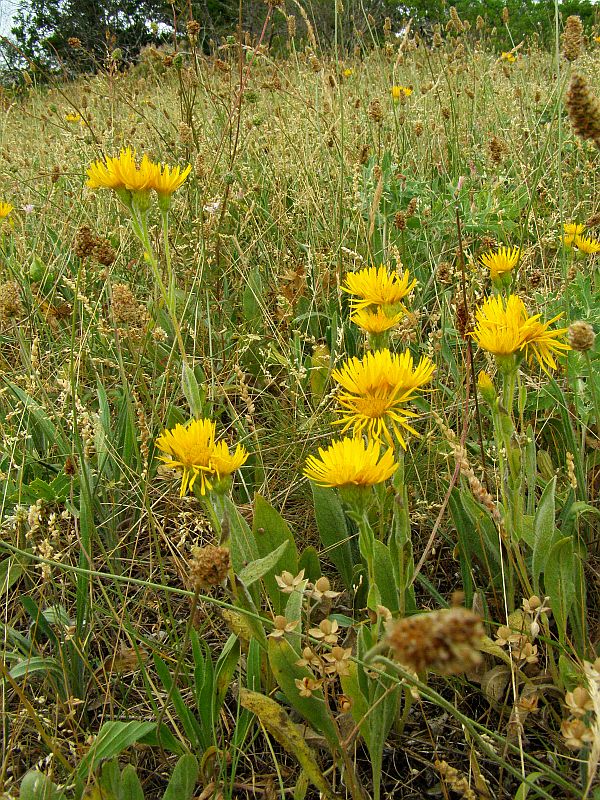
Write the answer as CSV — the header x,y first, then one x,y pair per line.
x,y
584,109
193,29
445,641
400,220
593,221
74,42
572,38
208,566
375,111
581,336
505,15
11,308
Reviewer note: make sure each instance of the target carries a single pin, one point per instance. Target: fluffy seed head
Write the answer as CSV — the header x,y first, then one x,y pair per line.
x,y
581,336
445,641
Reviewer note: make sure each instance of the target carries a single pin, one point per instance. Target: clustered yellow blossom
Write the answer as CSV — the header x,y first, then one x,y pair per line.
x,y
5,209
573,236
351,461
377,286
509,56
122,172
504,327
377,298
376,390
191,449
501,261
400,91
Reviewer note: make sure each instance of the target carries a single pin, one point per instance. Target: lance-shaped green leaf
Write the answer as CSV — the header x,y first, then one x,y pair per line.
x,y
333,531
280,726
258,569
544,532
270,532
283,660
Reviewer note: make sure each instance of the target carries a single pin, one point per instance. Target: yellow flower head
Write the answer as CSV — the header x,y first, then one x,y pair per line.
x,y
542,344
587,244
5,209
484,382
136,179
510,57
348,72
191,449
74,118
350,462
498,326
121,172
168,179
572,230
224,463
377,286
597,39
376,390
504,327
399,91
375,321
501,261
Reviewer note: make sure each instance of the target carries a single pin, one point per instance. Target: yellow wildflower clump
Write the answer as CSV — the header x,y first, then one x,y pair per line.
x,y
504,328
191,449
375,391
123,174
377,286
350,462
5,209
399,92
501,261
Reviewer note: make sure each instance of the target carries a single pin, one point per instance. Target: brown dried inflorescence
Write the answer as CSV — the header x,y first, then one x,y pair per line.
x,y
208,566
497,148
572,38
581,336
584,110
88,245
445,641
11,307
127,311
375,111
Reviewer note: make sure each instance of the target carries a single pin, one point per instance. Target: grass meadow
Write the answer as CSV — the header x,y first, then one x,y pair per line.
x,y
186,614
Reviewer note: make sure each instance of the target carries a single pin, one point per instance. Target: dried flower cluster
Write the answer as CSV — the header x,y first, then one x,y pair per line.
x,y
445,641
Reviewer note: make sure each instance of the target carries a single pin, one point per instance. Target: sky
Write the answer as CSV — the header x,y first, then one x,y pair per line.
x,y
7,9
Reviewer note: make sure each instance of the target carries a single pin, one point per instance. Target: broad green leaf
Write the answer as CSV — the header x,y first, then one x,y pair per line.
x,y
309,562
544,532
293,611
183,780
191,391
258,569
280,726
225,669
270,532
283,658
360,704
559,582
333,531
37,664
384,575
131,788
37,786
112,739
